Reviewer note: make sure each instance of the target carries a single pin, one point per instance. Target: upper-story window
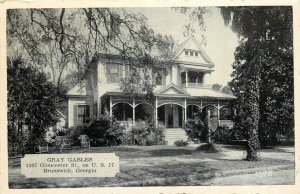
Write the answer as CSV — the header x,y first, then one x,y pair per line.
x,y
160,78
191,53
114,73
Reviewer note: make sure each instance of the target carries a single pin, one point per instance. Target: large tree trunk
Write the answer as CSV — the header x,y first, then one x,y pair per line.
x,y
252,86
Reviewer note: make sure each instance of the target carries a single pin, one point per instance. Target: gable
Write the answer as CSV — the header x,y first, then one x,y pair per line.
x,y
170,90
191,52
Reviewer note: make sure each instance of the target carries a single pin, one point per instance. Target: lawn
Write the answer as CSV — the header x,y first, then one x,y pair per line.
x,y
155,165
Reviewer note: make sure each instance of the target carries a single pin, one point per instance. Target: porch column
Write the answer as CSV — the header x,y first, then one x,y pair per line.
x,y
133,112
183,121
218,112
201,106
156,119
110,106
186,79
208,124
185,116
99,107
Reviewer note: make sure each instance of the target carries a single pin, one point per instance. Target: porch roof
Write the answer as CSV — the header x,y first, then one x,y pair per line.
x,y
189,92
208,93
196,68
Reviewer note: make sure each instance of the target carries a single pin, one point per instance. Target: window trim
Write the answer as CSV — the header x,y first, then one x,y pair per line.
x,y
85,111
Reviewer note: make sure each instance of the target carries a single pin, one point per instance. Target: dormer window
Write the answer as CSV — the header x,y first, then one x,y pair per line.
x,y
186,52
196,54
191,53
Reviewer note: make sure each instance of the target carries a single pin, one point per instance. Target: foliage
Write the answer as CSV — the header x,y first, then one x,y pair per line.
x,y
207,148
196,129
263,72
216,87
224,134
102,131
56,40
32,104
148,135
75,131
180,143
227,90
128,138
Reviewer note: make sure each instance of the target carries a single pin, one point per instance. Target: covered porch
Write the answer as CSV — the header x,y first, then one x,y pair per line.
x,y
168,112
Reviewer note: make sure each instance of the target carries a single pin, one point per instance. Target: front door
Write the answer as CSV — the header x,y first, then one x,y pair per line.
x,y
173,116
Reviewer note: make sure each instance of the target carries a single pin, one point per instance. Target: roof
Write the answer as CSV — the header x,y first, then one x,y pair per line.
x,y
184,46
209,93
196,67
77,90
172,90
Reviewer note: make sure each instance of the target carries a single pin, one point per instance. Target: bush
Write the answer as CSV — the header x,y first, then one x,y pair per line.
x,y
180,143
224,134
75,131
196,130
127,138
103,131
148,135
207,148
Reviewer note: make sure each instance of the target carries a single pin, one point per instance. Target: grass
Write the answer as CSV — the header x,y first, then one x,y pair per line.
x,y
144,163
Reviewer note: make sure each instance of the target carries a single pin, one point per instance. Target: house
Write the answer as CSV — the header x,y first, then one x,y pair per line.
x,y
182,88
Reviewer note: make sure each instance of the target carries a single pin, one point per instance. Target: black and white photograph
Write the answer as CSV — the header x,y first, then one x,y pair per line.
x,y
150,96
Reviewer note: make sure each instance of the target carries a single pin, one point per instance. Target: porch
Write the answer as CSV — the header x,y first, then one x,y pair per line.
x,y
168,112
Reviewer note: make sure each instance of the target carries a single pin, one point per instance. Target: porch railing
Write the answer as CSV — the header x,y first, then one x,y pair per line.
x,y
196,85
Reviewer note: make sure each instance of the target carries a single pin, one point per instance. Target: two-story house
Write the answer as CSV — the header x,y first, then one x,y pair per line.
x,y
183,88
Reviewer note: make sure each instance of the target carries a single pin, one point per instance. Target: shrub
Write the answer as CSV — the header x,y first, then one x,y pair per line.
x,y
127,138
180,143
207,148
224,134
103,131
148,135
196,130
75,131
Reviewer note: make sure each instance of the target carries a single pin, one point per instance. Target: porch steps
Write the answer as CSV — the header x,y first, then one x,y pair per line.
x,y
173,134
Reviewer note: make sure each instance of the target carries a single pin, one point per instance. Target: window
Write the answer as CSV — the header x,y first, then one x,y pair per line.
x,y
160,77
127,71
186,52
83,113
114,73
196,54
191,53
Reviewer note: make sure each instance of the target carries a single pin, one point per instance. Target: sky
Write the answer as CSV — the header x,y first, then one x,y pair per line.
x,y
220,40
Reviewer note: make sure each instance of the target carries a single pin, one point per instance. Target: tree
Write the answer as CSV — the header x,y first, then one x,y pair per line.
x,y
32,105
226,89
263,71
216,87
56,40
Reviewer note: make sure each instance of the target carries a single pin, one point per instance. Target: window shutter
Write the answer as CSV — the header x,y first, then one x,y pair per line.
x,y
75,115
108,72
87,112
163,75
